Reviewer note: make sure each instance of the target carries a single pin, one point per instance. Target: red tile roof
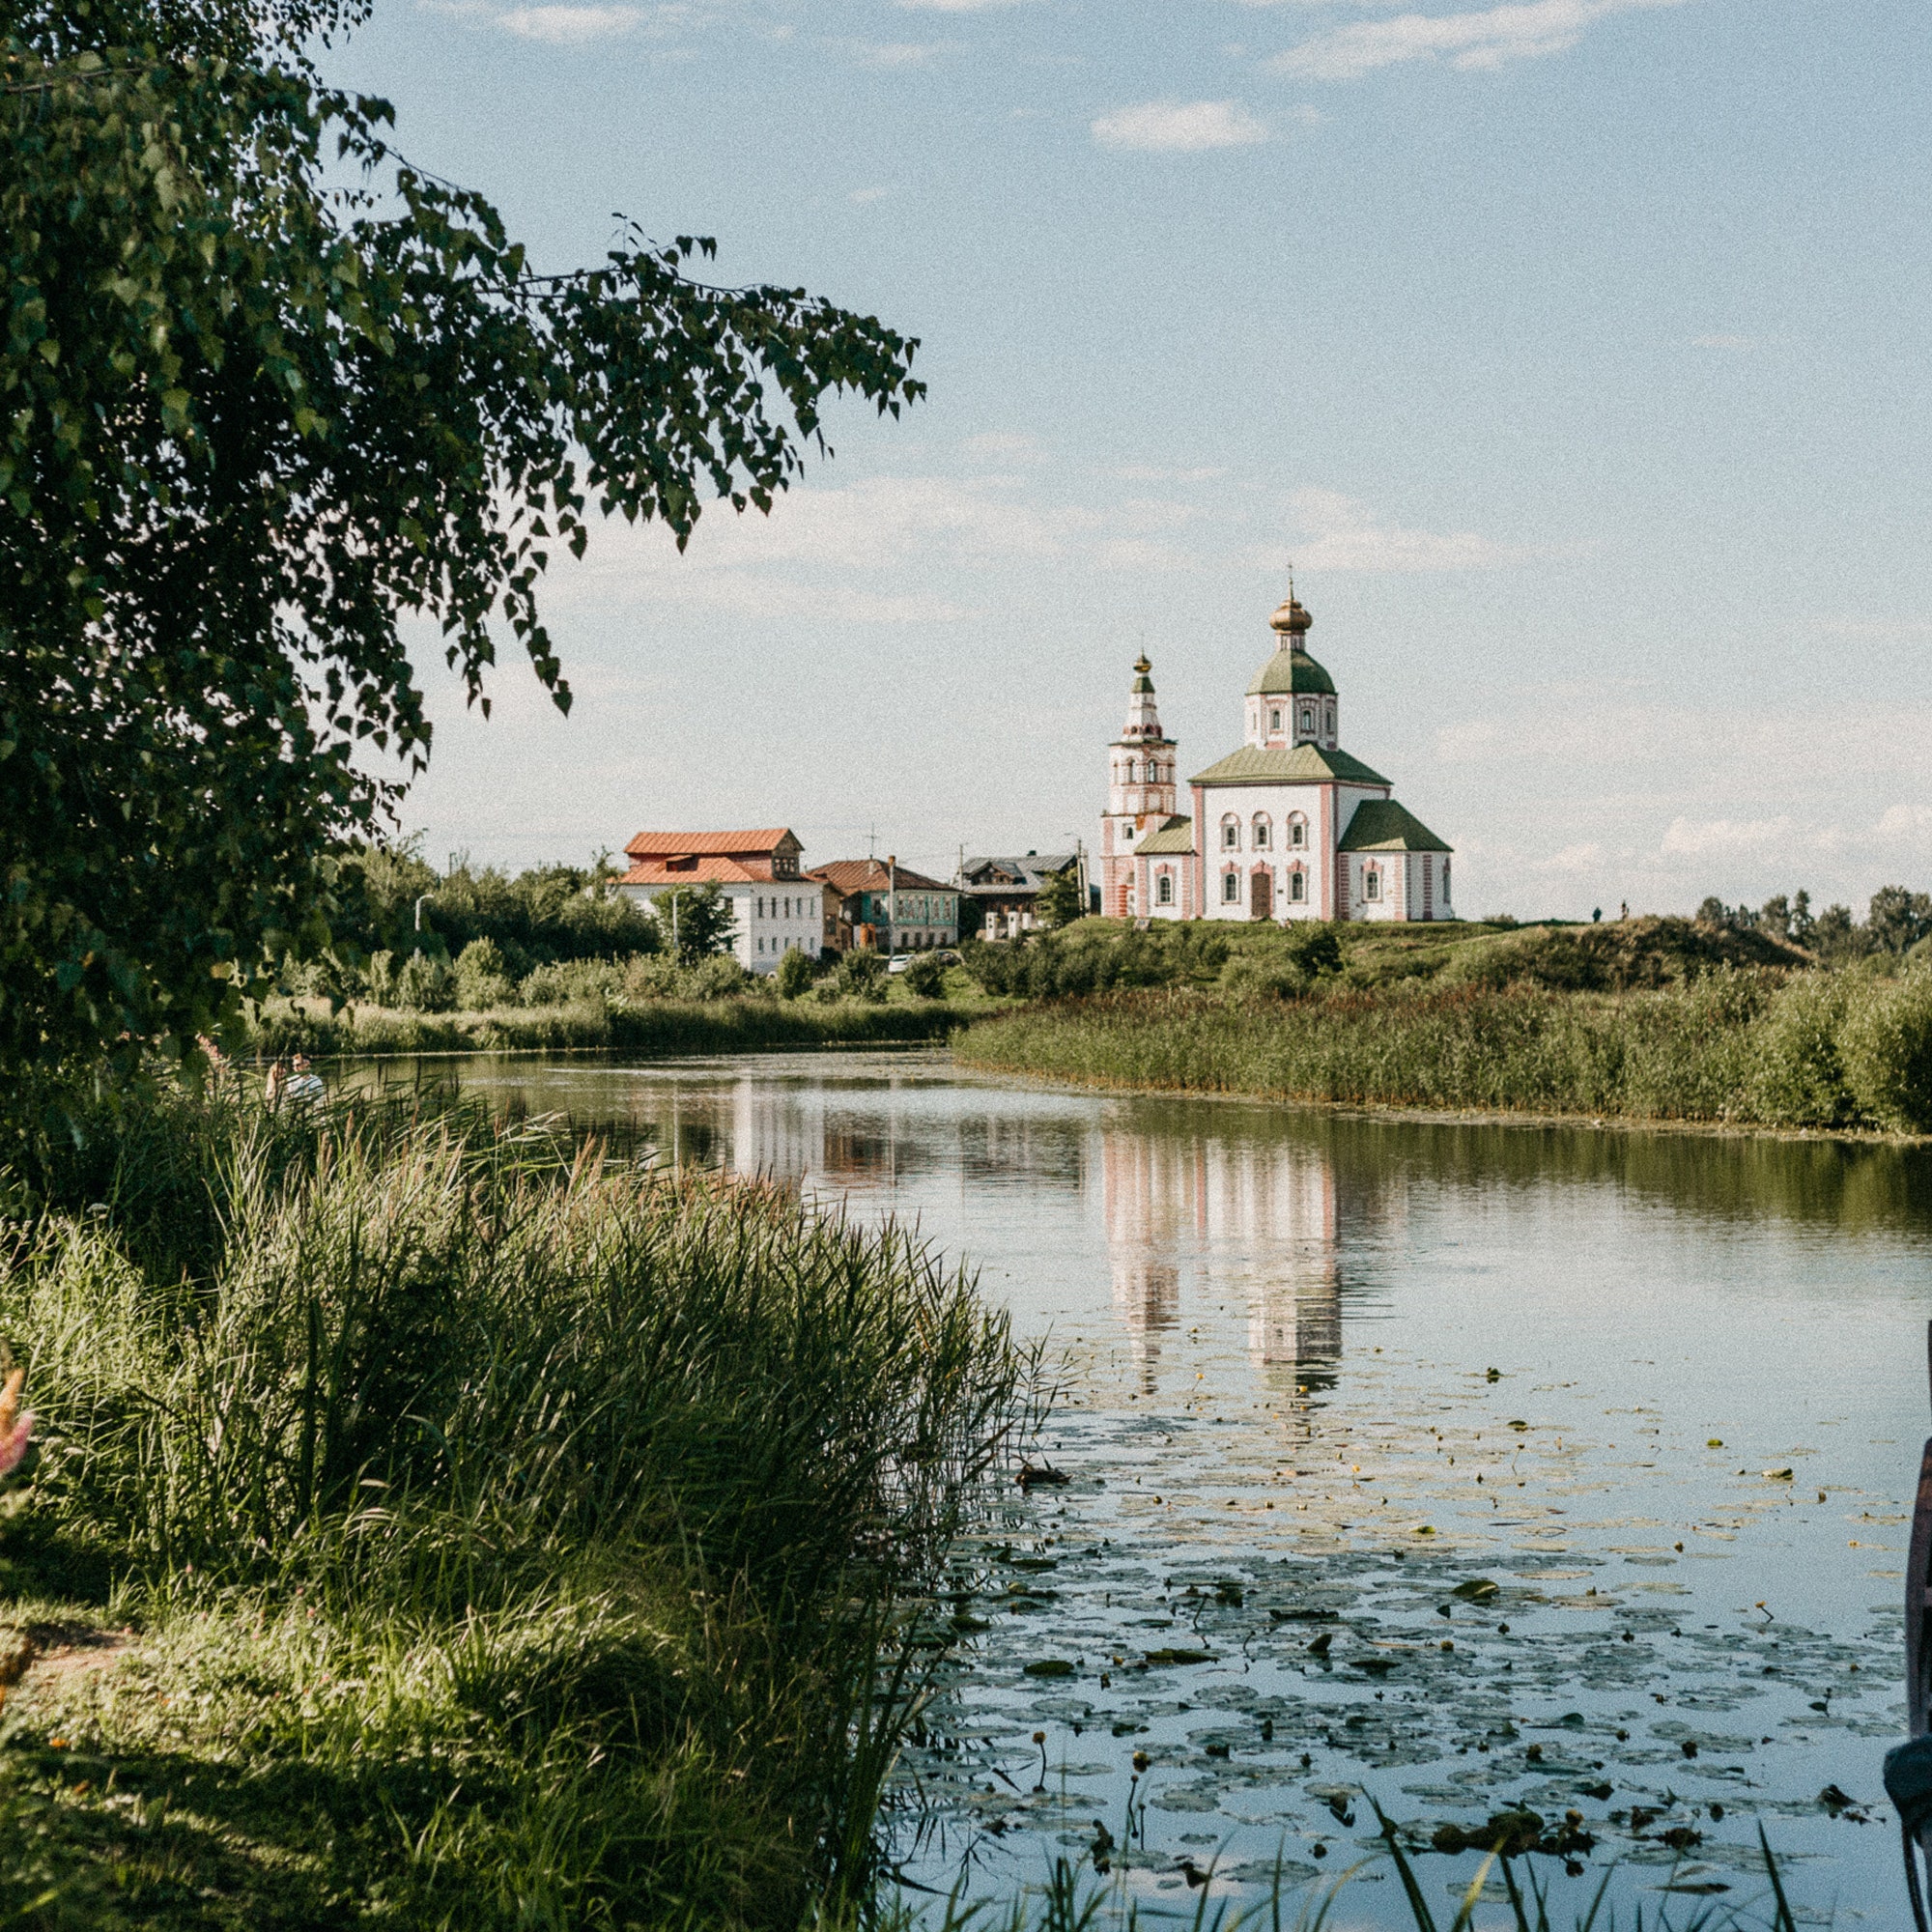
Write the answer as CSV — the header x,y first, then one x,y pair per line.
x,y
847,876
709,869
726,844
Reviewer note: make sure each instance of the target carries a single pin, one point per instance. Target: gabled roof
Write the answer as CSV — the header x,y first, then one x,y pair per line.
x,y
1290,672
712,870
1299,764
1382,825
729,844
1027,875
1176,835
847,876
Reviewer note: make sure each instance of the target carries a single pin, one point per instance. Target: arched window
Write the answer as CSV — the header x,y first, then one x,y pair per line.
x,y
1163,889
1307,718
1261,833
1372,884
1274,720
1231,889
1297,885
1298,829
1231,834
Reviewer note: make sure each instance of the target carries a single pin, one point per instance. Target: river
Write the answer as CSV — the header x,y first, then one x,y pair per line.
x,y
1454,1465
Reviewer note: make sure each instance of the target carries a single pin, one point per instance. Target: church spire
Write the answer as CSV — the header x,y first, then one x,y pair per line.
x,y
1142,718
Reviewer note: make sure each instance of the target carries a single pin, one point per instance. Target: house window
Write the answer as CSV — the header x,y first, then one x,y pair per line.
x,y
1274,720
1261,834
1307,718
1163,890
1445,878
1231,889
1297,886
1230,835
1372,884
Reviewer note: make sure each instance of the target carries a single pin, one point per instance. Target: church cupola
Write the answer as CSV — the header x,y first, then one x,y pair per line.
x,y
1141,789
1292,701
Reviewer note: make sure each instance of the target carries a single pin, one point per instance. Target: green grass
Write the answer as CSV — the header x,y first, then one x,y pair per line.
x,y
653,1029
500,1539
1729,1045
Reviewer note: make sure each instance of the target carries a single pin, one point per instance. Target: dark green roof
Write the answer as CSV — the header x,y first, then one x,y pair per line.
x,y
1303,764
1290,672
1382,825
1175,836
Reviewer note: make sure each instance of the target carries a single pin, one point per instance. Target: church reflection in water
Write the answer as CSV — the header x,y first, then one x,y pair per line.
x,y
1244,1220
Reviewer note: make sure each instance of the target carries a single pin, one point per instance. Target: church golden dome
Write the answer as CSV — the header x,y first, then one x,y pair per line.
x,y
1291,620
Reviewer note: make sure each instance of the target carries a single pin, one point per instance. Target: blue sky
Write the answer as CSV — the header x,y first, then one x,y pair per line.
x,y
1576,351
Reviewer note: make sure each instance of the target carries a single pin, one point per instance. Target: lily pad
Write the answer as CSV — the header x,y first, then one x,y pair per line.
x,y
1172,1656
1050,1667
1477,1590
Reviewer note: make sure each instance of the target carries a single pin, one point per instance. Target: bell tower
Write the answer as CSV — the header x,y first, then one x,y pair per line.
x,y
1140,794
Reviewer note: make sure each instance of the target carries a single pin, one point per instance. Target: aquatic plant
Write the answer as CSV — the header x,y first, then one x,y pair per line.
x,y
509,1537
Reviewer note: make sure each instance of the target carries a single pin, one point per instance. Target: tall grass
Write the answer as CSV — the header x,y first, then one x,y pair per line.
x,y
649,1029
1731,1045
553,1533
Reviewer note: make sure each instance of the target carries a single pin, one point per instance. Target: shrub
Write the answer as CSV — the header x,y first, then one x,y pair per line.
x,y
482,978
861,976
425,985
1885,1043
925,976
719,978
794,973
1798,1078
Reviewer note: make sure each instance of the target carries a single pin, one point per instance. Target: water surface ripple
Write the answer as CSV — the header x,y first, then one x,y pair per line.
x,y
1465,1466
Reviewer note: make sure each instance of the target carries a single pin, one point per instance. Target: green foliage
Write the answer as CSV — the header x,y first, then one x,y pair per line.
x,y
794,974
862,974
1309,950
1060,898
1620,957
424,984
1886,1042
1799,1078
482,977
271,390
694,922
925,976
512,1539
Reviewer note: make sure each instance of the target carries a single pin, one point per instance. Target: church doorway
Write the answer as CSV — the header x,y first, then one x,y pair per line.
x,y
1260,896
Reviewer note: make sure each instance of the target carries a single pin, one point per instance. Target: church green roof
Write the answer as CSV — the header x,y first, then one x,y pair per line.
x,y
1290,672
1382,825
1303,764
1175,836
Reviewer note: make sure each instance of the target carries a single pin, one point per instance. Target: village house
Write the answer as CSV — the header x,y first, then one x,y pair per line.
x,y
878,902
1289,827
1005,892
774,907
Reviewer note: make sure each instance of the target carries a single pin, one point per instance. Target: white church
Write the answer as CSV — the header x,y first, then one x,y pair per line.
x,y
1288,827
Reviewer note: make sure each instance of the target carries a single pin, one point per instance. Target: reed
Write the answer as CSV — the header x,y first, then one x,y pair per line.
x,y
1729,1046
508,1539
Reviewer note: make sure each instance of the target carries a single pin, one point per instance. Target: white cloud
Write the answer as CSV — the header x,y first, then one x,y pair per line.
x,y
1004,443
570,26
1488,38
896,53
1147,473
1338,532
1179,127
1686,838
864,197
957,6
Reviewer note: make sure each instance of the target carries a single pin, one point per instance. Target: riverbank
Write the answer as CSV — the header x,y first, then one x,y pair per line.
x,y
1811,1050
651,1029
429,1524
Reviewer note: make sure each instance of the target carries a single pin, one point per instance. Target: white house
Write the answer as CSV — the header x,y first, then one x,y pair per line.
x,y
774,908
1291,826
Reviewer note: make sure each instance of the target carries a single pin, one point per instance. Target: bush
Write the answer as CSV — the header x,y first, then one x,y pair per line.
x,y
1885,1043
794,973
424,985
925,976
1307,951
861,976
1798,1078
482,978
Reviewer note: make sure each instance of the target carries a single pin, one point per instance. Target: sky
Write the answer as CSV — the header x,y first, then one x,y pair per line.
x,y
1574,351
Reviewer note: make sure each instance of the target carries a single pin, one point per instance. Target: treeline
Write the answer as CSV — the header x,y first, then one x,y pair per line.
x,y
1897,920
